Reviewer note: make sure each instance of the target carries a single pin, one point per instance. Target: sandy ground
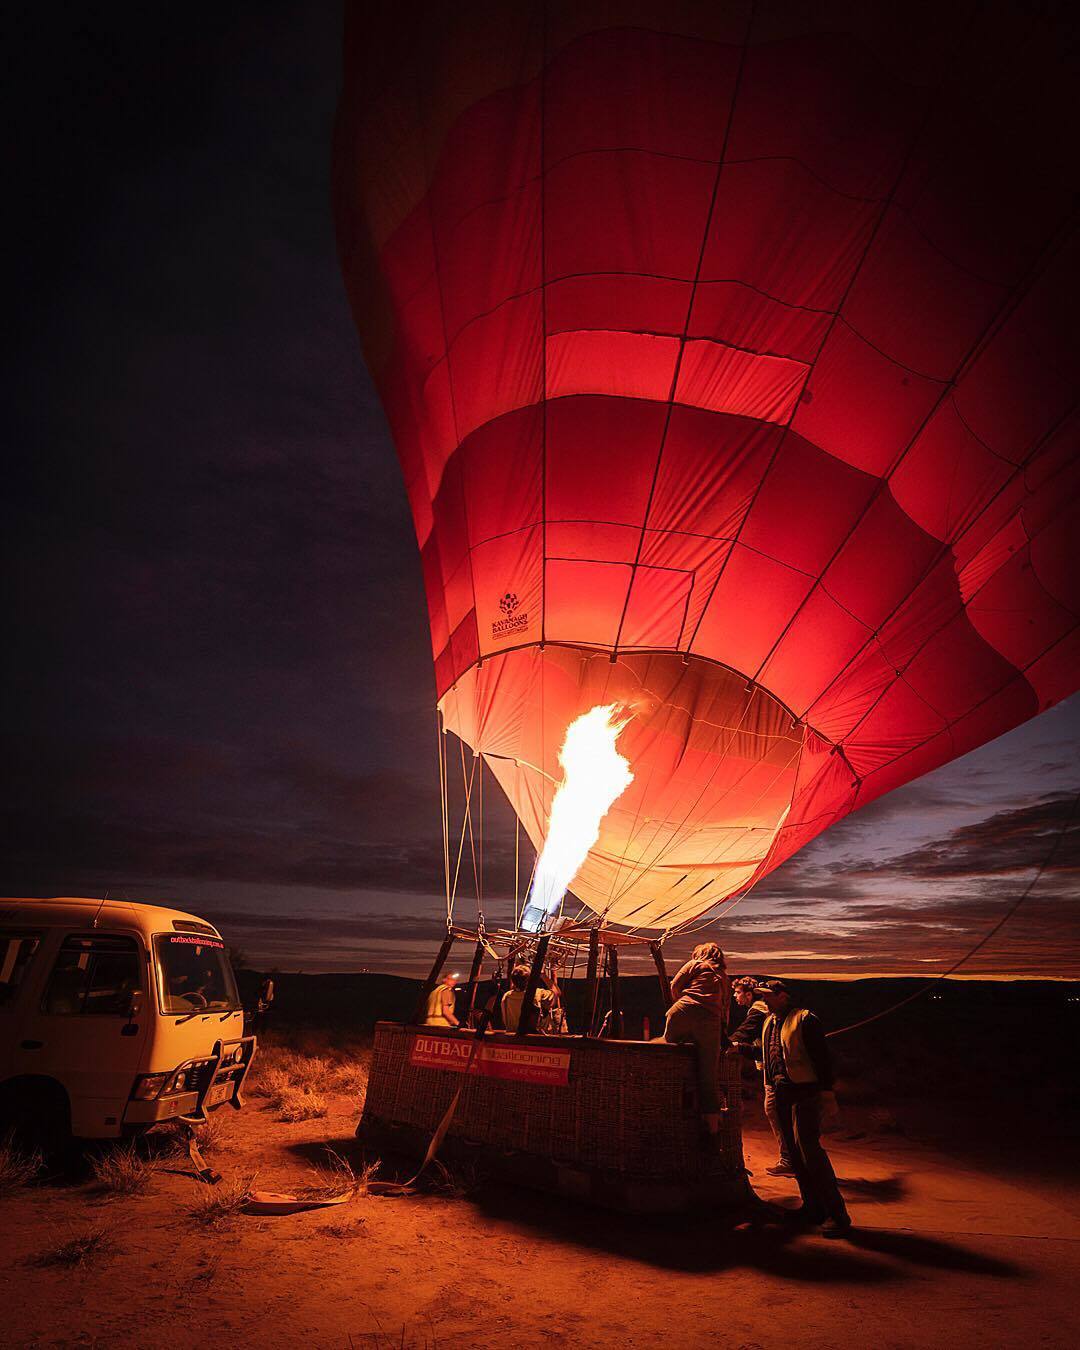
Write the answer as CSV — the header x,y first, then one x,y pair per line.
x,y
954,1247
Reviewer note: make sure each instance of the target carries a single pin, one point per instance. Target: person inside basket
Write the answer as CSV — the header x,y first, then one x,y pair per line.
x,y
746,1038
440,1004
549,1015
798,1068
698,1016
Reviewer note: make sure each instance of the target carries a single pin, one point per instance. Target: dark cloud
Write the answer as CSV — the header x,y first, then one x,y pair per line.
x,y
1045,834
317,930
89,815
69,852
806,882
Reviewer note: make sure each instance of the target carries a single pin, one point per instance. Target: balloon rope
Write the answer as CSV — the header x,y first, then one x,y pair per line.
x,y
931,984
517,875
444,805
465,821
468,815
480,841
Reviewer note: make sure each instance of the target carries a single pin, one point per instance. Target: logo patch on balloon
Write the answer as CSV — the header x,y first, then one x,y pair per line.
x,y
512,622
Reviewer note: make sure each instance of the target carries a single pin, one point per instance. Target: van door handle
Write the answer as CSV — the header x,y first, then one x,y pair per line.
x,y
32,1045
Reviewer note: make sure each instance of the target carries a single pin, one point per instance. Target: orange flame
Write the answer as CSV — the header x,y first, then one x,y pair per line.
x,y
594,776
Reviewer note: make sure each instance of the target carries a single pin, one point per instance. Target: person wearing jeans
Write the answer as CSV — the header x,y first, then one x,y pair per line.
x,y
698,1016
746,1038
798,1069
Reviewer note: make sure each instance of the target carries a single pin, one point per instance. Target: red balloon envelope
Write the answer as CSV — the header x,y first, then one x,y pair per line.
x,y
729,354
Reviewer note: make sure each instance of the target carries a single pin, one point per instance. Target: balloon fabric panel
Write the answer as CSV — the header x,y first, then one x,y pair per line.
x,y
728,352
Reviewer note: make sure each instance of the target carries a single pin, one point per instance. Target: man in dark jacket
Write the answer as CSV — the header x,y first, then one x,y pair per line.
x,y
798,1068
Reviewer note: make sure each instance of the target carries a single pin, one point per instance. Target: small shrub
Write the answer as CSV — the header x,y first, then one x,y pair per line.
x,y
213,1134
350,1076
301,1104
121,1171
337,1176
217,1206
279,1074
17,1166
274,1084
81,1249
367,1173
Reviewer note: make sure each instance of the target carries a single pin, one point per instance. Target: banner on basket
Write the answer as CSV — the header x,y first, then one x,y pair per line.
x,y
524,1063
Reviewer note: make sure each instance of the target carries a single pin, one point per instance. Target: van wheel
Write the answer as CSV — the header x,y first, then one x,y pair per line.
x,y
36,1115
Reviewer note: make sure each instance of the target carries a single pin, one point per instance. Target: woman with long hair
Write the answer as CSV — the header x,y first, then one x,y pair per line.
x,y
701,992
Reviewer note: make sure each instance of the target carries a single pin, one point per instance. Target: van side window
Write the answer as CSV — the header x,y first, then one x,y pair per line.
x,y
93,975
17,950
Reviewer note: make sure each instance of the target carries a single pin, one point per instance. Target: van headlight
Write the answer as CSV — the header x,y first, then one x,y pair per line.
x,y
148,1086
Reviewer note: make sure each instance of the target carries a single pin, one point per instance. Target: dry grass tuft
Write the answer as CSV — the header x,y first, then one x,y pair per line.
x,y
170,1144
121,1171
368,1172
81,1249
217,1206
297,1084
337,1176
301,1104
17,1166
273,1084
351,1077
459,1182
213,1134
406,1339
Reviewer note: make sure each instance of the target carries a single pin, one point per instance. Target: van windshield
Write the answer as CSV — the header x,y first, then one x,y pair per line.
x,y
194,973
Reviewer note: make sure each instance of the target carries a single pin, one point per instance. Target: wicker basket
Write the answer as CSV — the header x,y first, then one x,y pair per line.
x,y
623,1130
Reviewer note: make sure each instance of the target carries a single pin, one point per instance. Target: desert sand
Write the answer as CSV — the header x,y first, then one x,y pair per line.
x,y
959,1243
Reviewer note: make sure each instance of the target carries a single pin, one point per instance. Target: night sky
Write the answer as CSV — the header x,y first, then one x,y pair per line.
x,y
219,690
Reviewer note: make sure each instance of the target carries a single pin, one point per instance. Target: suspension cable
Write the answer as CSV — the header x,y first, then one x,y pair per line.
x,y
444,808
465,825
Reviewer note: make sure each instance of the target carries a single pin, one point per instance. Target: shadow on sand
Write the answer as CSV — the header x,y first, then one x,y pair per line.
x,y
885,1190
766,1240
919,1250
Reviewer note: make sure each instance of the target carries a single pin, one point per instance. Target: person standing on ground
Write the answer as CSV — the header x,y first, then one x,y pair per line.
x,y
798,1068
702,996
440,1004
746,1038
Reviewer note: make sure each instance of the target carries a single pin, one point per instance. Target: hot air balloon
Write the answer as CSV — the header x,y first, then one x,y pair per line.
x,y
728,350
